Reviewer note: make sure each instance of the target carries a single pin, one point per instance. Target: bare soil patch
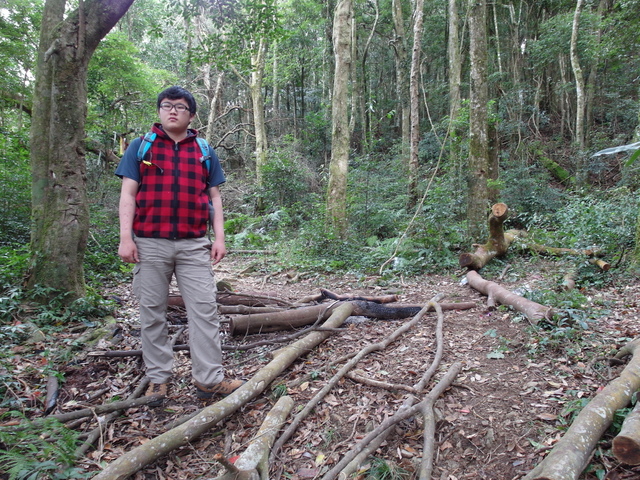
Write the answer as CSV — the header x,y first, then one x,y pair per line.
x,y
496,422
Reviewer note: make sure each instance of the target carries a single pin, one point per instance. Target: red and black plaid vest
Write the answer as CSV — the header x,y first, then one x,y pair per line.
x,y
172,200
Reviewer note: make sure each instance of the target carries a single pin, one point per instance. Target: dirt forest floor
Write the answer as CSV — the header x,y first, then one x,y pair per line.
x,y
499,418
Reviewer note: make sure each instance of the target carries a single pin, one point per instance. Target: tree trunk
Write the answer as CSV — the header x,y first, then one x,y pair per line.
x,y
257,100
60,209
414,95
577,73
455,61
338,168
478,125
573,451
402,86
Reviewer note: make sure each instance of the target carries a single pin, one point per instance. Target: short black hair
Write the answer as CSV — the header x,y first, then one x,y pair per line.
x,y
174,93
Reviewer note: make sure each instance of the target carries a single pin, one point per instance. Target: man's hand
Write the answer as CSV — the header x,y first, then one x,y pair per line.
x,y
218,251
128,251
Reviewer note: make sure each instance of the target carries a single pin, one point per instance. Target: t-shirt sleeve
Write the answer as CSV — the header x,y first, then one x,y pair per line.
x,y
216,175
129,166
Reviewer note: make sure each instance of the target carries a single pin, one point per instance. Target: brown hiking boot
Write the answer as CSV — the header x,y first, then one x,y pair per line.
x,y
224,388
157,390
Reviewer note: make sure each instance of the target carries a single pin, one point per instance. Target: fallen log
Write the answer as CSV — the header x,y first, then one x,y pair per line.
x,y
571,454
626,445
138,457
299,317
532,310
497,243
253,463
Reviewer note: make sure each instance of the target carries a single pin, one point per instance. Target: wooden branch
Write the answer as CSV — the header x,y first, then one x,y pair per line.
x,y
626,445
324,293
137,458
358,376
532,310
400,415
354,465
95,434
339,374
572,452
253,463
51,401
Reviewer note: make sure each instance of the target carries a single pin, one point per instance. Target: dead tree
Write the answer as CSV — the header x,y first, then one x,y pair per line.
x,y
496,245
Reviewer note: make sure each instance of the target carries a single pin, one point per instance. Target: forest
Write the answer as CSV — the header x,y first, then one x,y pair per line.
x,y
435,201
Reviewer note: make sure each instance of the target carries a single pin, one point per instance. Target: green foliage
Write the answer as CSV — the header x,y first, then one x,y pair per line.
x,y
126,100
380,469
287,183
15,194
42,450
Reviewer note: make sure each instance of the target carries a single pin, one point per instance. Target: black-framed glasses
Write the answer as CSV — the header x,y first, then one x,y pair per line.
x,y
166,106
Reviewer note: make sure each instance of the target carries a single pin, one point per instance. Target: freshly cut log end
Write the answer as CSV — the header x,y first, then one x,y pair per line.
x,y
627,450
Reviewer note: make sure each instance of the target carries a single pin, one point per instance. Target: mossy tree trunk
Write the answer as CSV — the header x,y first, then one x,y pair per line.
x,y
479,165
59,199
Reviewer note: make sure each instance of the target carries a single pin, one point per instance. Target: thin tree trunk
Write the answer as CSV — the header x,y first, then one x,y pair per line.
x,y
338,168
402,86
414,95
257,100
577,73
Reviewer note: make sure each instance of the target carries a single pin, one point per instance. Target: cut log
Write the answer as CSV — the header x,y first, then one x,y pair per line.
x,y
626,445
300,317
532,310
497,244
572,453
138,457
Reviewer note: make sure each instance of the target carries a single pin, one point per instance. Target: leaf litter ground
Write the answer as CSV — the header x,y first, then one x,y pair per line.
x,y
500,417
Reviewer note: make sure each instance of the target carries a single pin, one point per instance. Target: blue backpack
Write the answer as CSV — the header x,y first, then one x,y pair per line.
x,y
149,137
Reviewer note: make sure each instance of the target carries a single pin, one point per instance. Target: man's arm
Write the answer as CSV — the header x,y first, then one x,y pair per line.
x,y
127,209
218,249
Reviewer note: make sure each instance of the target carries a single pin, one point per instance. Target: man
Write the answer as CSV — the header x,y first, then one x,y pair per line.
x,y
164,209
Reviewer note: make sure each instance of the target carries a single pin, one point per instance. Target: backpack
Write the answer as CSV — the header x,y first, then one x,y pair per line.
x,y
149,137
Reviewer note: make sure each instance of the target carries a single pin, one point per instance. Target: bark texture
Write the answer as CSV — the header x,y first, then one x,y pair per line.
x,y
59,198
571,454
340,140
626,445
478,120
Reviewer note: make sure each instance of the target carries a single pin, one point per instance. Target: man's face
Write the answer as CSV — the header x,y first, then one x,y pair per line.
x,y
171,118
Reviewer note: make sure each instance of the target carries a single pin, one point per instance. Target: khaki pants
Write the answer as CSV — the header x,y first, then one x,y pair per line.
x,y
190,261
